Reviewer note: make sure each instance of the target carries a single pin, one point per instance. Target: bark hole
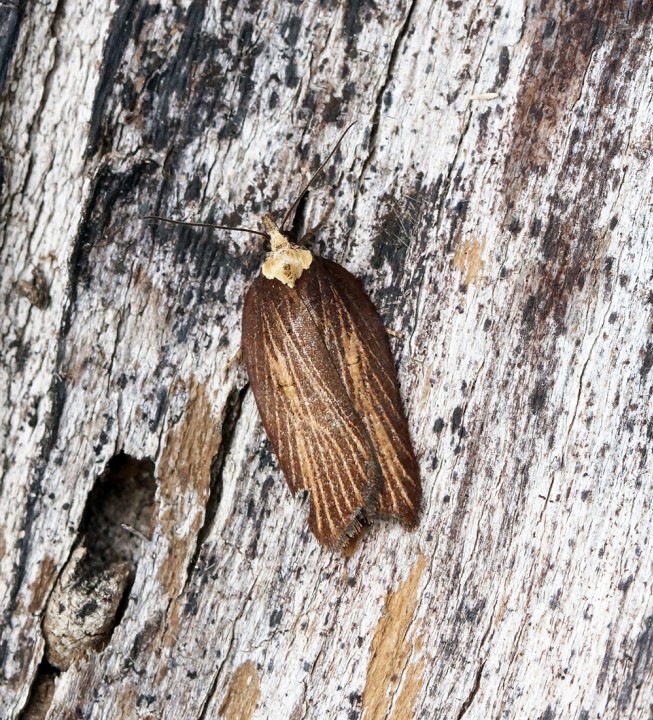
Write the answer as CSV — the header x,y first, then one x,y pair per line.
x,y
119,512
41,693
90,596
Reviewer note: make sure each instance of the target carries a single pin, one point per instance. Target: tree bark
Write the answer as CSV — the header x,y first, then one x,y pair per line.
x,y
495,199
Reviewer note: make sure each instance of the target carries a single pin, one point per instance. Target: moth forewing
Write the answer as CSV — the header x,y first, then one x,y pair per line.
x,y
371,383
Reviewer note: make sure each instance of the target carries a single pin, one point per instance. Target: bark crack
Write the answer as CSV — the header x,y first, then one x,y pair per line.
x,y
214,684
404,670
41,692
389,75
230,418
307,700
548,496
116,344
472,693
597,335
378,104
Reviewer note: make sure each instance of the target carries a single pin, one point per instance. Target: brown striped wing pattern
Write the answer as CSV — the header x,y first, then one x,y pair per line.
x,y
323,376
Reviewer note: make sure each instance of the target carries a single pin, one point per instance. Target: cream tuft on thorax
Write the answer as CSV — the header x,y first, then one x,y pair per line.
x,y
286,262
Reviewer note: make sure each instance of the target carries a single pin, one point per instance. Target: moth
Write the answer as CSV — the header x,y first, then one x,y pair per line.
x,y
322,373
323,377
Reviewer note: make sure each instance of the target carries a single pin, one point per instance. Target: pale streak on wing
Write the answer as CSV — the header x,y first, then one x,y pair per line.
x,y
299,404
273,412
385,435
335,498
369,385
311,379
386,440
331,500
294,439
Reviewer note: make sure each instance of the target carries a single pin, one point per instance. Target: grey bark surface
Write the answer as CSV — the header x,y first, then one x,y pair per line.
x,y
495,199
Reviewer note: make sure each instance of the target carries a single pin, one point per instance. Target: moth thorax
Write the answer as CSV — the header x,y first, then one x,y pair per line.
x,y
287,261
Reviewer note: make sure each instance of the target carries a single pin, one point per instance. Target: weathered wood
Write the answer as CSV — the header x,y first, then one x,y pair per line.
x,y
495,199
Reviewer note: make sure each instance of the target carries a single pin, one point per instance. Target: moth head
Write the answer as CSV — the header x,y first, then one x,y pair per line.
x,y
286,262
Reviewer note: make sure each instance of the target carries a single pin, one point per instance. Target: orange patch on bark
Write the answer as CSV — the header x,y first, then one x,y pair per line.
x,y
42,585
469,259
184,473
243,693
413,681
390,654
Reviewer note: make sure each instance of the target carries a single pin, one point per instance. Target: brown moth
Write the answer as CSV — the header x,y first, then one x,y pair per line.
x,y
323,377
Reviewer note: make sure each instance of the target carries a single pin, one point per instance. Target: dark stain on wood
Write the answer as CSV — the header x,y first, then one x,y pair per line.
x,y
647,360
102,215
405,219
11,16
262,503
502,70
290,28
537,399
144,639
639,670
569,240
356,14
203,82
120,35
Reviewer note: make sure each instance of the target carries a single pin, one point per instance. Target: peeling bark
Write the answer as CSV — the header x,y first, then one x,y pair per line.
x,y
494,197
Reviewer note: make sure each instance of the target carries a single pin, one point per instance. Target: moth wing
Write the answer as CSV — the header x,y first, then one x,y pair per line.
x,y
305,408
358,343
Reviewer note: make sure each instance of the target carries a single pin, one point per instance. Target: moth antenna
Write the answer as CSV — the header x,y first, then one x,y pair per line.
x,y
314,175
204,225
